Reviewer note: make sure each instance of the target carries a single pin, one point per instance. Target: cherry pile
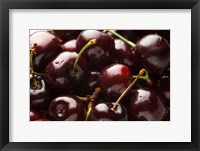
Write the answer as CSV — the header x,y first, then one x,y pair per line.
x,y
100,75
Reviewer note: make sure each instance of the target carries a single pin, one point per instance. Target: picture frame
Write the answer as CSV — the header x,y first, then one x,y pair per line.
x,y
5,5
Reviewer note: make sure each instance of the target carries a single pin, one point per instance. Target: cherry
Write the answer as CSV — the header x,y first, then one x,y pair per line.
x,y
40,92
145,104
67,108
125,55
102,112
114,79
65,35
154,52
43,48
69,46
59,74
99,54
34,115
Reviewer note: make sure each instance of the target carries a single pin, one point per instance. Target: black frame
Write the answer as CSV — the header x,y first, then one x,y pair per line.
x,y
5,5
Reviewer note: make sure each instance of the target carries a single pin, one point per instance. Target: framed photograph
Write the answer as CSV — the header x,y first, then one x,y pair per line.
x,y
103,75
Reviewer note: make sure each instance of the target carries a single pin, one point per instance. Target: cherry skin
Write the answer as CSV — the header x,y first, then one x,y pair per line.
x,y
34,115
40,92
69,46
154,52
125,55
146,105
45,47
59,74
98,55
102,112
67,108
114,79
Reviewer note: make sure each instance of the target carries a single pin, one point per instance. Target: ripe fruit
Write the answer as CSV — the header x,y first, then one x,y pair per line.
x,y
114,79
102,112
154,52
98,55
44,47
66,108
58,73
146,105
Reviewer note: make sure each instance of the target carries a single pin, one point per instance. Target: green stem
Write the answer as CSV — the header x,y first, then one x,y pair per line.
x,y
82,98
130,43
141,72
145,78
91,42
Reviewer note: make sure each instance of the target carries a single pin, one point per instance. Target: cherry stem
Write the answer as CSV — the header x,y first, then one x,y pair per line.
x,y
92,97
85,99
145,78
141,72
130,43
91,42
33,51
90,105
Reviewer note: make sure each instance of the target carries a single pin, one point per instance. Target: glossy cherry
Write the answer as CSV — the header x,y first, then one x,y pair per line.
x,y
98,55
146,105
67,108
125,55
40,92
43,48
69,46
102,112
59,74
154,52
114,79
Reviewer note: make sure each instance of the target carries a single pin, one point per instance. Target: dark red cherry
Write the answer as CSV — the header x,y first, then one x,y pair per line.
x,y
67,108
65,35
114,79
102,112
125,55
58,73
45,47
40,92
154,52
146,105
89,83
98,55
69,46
34,115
